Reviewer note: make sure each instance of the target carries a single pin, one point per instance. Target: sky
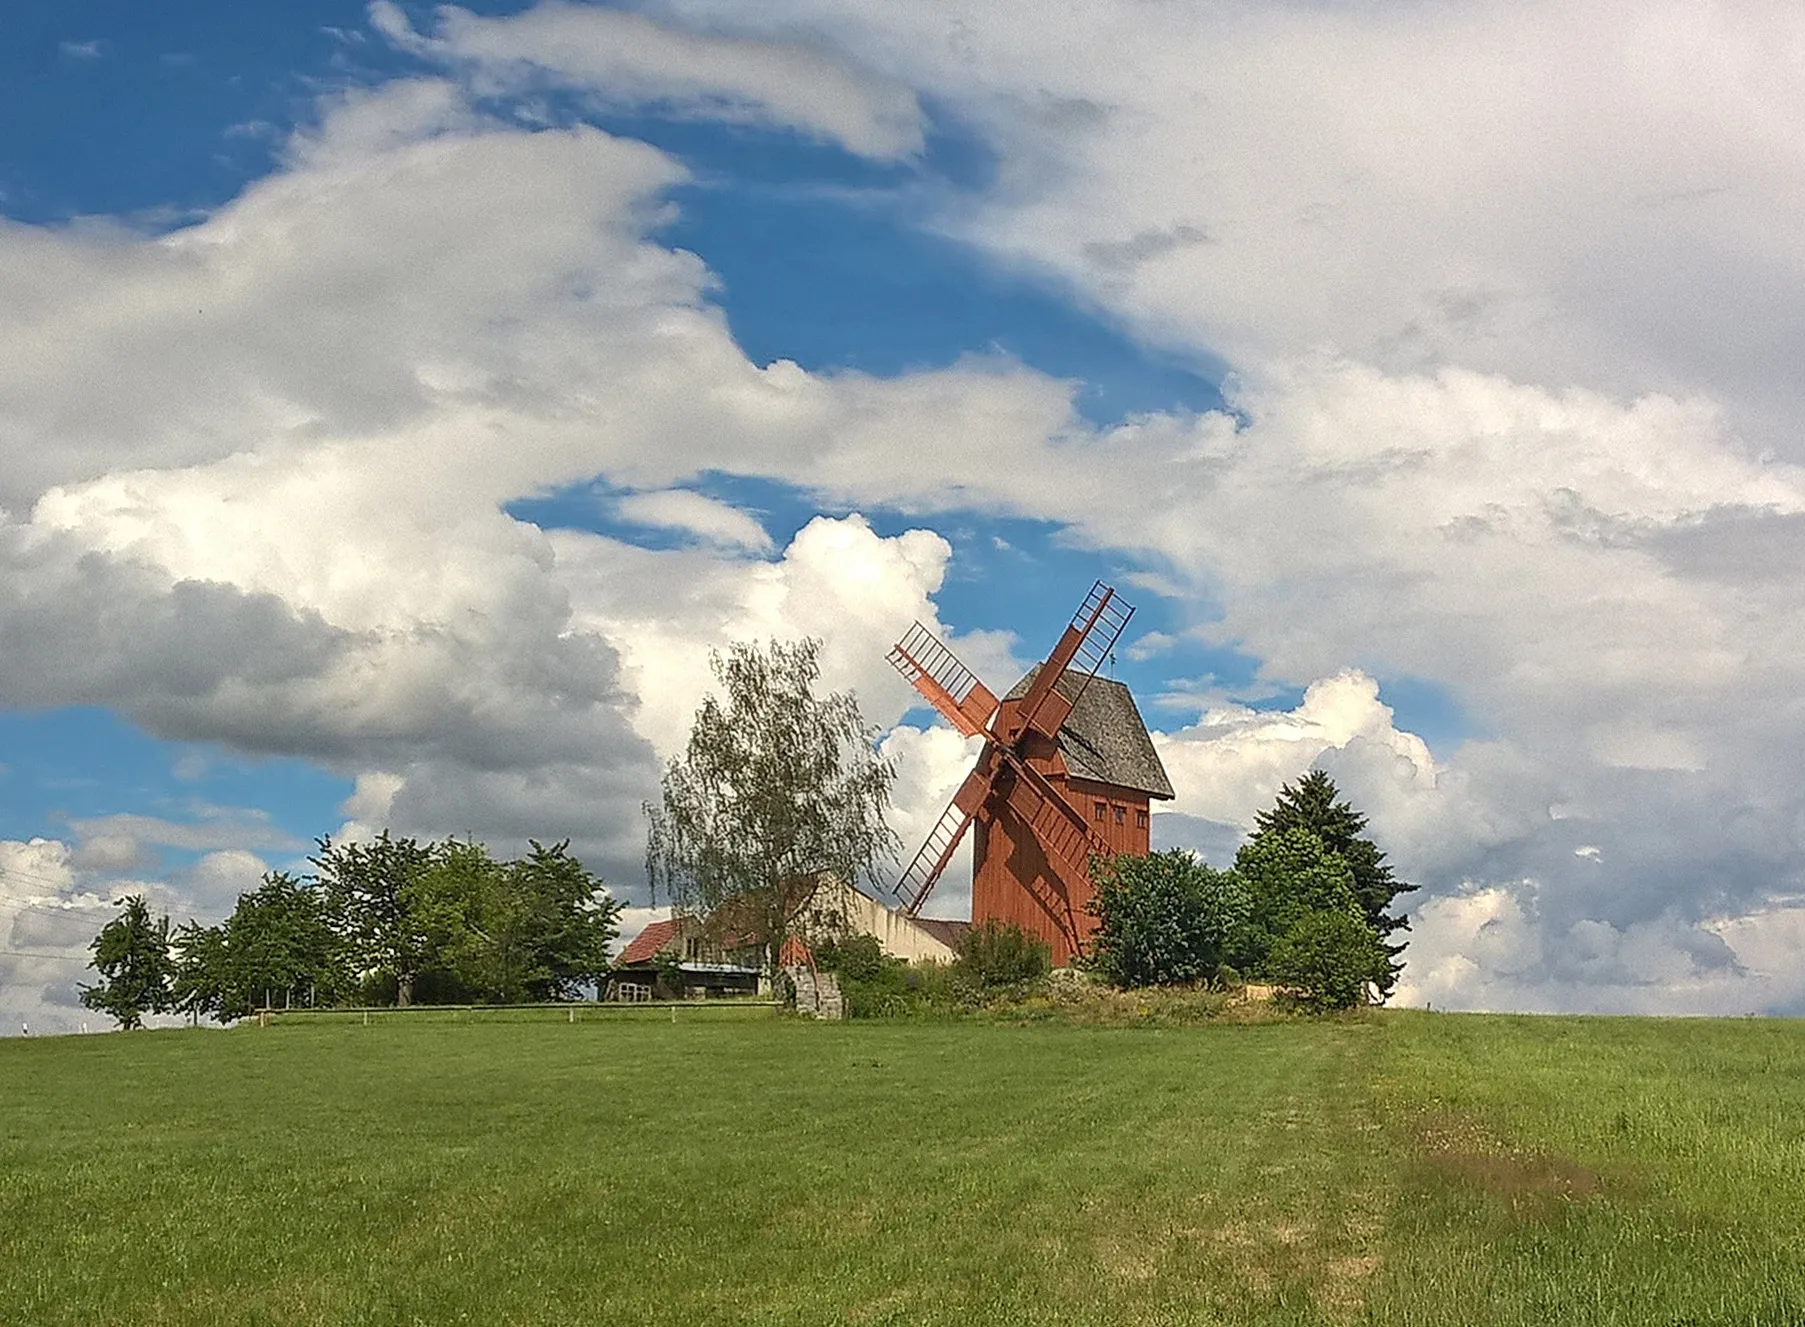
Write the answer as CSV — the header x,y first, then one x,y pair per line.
x,y
399,402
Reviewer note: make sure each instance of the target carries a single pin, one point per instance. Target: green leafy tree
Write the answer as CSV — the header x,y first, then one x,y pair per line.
x,y
574,921
1328,959
1288,875
278,946
1314,804
197,988
1165,919
993,954
365,886
131,953
775,787
537,928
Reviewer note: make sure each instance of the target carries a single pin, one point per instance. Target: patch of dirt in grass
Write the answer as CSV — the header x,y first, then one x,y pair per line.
x,y
1342,1292
1130,1262
1533,1184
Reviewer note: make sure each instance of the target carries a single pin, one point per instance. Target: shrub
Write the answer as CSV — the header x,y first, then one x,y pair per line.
x,y
1165,919
994,954
1327,959
852,957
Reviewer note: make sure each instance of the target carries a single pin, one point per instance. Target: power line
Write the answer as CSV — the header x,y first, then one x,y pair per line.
x,y
20,873
15,905
57,958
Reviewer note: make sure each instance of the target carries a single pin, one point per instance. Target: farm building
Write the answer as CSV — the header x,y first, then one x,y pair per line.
x,y
712,970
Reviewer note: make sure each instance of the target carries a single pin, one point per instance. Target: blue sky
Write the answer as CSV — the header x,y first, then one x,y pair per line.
x,y
399,402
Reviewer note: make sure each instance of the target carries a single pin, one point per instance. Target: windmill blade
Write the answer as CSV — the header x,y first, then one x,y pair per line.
x,y
949,686
1057,825
1083,648
918,881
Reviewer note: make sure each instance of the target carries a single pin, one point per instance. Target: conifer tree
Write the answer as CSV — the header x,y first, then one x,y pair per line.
x,y
1312,804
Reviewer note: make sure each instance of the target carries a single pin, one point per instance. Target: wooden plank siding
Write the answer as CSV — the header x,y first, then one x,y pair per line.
x,y
1014,883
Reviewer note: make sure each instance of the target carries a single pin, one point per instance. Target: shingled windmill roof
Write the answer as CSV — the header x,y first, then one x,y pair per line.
x,y
1104,738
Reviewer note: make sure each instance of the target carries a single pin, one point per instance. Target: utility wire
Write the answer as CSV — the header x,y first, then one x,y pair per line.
x,y
55,958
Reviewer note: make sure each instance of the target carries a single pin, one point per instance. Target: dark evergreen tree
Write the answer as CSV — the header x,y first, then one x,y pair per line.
x,y
1312,804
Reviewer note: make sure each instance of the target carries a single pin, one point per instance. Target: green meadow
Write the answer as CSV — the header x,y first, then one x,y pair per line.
x,y
1390,1168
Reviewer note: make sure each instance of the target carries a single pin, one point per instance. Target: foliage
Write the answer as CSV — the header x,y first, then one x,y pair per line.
x,y
994,954
1165,919
1311,804
278,945
573,921
873,984
774,787
131,954
532,929
1327,959
668,983
388,921
1288,875
366,896
856,957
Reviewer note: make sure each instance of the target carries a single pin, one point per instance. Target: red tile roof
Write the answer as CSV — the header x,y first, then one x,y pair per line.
x,y
648,942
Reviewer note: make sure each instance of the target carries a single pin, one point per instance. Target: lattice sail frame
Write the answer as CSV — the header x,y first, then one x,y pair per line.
x,y
958,696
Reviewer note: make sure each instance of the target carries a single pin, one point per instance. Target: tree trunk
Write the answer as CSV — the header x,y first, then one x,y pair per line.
x,y
404,989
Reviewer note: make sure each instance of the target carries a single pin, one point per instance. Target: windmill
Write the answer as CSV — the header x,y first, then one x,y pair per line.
x,y
1066,771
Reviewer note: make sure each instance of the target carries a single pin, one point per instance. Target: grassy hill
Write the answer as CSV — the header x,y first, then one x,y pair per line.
x,y
1399,1168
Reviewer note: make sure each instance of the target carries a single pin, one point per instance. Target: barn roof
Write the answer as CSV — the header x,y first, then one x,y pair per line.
x,y
648,942
1104,737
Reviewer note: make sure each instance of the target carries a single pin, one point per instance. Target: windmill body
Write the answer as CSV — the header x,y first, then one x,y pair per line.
x,y
1067,772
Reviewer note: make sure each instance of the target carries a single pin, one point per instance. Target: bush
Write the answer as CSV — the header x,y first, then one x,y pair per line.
x,y
995,954
853,957
1165,919
1327,959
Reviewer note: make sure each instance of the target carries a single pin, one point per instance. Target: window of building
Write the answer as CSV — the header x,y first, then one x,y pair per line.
x,y
1140,820
692,948
1102,810
1121,814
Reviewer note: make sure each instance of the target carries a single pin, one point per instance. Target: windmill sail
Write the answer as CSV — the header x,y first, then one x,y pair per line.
x,y
949,686
1083,649
918,880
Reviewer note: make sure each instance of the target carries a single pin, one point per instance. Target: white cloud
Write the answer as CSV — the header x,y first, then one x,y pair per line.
x,y
629,59
1487,949
709,519
215,829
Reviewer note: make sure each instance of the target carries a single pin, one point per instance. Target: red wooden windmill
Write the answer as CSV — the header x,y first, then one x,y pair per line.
x,y
1067,770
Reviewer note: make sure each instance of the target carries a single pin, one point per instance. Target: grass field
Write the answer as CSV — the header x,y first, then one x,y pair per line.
x,y
1401,1168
